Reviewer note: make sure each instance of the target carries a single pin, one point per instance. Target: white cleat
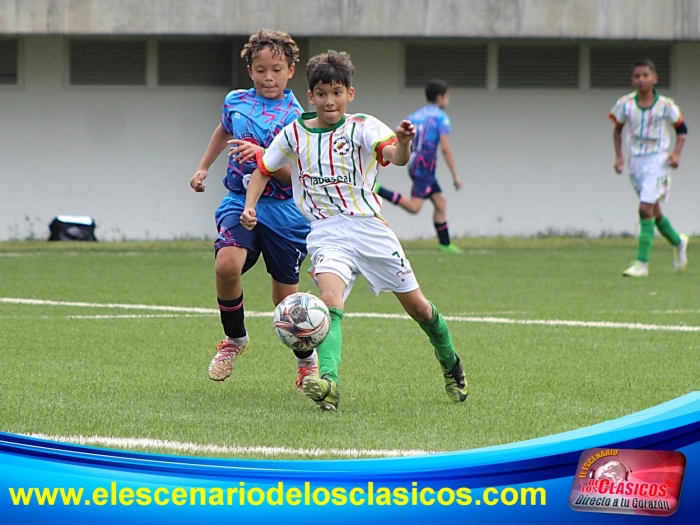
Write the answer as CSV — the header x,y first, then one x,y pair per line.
x,y
222,365
680,254
638,269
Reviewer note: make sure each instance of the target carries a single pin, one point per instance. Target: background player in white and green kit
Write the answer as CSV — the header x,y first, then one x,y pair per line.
x,y
334,159
647,115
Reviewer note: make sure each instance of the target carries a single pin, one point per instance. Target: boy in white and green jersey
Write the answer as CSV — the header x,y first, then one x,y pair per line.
x,y
647,116
334,159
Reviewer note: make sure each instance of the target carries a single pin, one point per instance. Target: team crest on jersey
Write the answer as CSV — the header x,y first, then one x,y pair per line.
x,y
247,136
341,146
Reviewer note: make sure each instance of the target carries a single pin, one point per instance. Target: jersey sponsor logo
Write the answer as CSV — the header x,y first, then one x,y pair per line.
x,y
326,181
341,146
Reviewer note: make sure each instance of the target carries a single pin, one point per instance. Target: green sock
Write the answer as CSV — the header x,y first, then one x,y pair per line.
x,y
646,236
329,350
440,338
665,229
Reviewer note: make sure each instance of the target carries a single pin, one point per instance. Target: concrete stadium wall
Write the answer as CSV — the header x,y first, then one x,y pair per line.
x,y
531,160
642,19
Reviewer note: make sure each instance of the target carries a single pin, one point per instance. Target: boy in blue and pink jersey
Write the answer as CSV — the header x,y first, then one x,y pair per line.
x,y
432,132
249,122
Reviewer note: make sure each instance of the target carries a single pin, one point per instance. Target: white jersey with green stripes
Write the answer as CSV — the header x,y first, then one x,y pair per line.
x,y
333,169
647,129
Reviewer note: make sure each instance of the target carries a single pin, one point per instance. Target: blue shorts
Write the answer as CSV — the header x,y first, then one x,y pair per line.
x,y
424,184
280,235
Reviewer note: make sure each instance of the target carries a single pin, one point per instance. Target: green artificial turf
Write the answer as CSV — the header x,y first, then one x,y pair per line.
x,y
66,372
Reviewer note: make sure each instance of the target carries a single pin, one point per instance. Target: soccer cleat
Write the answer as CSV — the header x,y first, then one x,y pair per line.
x,y
305,369
322,391
221,365
638,269
680,254
376,187
449,248
456,384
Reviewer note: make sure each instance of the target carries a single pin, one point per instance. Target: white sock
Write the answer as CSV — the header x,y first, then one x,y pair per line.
x,y
238,341
311,360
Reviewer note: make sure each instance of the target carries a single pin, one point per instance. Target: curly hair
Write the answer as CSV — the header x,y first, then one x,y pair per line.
x,y
329,68
279,42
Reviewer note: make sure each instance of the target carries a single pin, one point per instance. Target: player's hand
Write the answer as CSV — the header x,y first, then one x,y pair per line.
x,y
457,182
674,160
405,132
242,151
197,180
619,165
249,218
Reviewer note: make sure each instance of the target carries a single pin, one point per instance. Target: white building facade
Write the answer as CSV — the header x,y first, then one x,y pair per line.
x,y
107,106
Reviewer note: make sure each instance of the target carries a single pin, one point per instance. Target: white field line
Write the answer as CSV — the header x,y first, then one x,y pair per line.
x,y
369,315
188,448
41,302
135,316
675,311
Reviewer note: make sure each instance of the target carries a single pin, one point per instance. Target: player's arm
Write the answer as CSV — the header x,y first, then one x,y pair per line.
x,y
617,144
256,186
681,129
618,117
242,151
399,152
271,162
217,143
674,159
449,158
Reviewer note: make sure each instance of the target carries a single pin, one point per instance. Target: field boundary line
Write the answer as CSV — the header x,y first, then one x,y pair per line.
x,y
365,315
189,447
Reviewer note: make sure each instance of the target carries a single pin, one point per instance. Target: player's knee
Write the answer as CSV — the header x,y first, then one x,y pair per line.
x,y
421,311
413,206
227,268
277,296
332,298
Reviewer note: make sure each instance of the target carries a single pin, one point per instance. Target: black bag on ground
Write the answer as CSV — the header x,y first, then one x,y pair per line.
x,y
72,228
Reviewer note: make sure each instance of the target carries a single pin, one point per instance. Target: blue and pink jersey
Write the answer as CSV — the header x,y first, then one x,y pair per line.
x,y
431,123
250,117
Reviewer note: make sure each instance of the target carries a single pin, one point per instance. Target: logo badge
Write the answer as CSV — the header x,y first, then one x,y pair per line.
x,y
341,146
619,481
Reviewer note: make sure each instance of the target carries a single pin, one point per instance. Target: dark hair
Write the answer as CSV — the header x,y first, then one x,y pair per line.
x,y
330,67
434,88
279,42
644,63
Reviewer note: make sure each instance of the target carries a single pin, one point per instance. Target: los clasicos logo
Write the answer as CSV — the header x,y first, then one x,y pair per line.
x,y
620,481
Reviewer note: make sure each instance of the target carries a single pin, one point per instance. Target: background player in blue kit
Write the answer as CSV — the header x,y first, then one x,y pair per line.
x,y
250,120
432,130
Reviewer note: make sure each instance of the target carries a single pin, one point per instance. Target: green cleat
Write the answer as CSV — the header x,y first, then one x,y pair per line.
x,y
322,391
376,187
456,384
449,248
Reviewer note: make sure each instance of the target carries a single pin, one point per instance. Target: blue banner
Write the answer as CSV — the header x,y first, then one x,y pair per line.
x,y
526,482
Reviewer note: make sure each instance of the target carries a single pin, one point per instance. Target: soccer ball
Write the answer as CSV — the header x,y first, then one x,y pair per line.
x,y
302,321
